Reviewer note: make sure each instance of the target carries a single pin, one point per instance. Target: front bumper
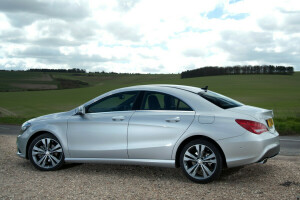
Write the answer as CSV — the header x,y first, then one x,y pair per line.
x,y
250,148
21,145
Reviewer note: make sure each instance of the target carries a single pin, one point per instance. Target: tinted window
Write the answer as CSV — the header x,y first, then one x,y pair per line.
x,y
220,100
117,102
183,106
160,101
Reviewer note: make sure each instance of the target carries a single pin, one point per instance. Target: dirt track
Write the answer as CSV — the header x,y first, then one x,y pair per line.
x,y
277,179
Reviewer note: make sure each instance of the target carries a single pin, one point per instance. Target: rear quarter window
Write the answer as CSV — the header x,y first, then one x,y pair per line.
x,y
220,100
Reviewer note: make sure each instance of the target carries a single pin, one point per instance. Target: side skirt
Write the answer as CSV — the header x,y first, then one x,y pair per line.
x,y
148,162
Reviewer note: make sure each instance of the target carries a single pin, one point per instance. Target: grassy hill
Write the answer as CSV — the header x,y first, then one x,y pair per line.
x,y
277,92
33,81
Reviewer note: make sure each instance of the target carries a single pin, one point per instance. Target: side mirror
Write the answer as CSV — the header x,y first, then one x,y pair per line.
x,y
80,110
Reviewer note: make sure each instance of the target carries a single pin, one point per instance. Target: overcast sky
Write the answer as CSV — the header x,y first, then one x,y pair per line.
x,y
148,36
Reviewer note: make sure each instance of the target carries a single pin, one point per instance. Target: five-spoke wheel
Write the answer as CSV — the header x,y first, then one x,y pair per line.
x,y
201,161
46,153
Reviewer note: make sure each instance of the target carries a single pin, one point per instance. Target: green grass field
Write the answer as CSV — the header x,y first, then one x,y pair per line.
x,y
277,92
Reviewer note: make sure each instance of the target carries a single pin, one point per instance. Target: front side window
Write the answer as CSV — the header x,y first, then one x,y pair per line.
x,y
116,102
220,100
160,101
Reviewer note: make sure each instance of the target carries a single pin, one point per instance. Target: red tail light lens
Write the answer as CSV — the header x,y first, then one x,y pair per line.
x,y
252,126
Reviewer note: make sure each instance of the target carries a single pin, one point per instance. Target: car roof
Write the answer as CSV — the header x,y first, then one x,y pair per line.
x,y
186,93
180,87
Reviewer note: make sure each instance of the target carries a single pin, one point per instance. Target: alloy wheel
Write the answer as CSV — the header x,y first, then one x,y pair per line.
x,y
47,153
200,161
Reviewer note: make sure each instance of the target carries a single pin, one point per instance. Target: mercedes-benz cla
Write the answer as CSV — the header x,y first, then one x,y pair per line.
x,y
196,129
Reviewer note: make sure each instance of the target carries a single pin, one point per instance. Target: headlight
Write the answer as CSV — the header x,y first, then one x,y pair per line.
x,y
25,126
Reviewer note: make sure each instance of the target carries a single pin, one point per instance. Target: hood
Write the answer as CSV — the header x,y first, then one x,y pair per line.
x,y
52,116
258,113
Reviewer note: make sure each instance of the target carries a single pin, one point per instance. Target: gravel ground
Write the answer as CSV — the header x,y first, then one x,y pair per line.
x,y
279,178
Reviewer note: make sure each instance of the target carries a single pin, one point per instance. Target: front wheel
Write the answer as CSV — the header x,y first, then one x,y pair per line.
x,y
46,153
201,161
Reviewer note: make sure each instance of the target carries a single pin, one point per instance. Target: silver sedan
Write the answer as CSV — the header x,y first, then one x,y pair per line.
x,y
193,128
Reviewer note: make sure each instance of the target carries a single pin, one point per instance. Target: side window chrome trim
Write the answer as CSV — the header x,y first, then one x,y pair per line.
x,y
165,111
108,112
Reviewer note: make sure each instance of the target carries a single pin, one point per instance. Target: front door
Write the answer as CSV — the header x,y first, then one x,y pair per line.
x,y
102,131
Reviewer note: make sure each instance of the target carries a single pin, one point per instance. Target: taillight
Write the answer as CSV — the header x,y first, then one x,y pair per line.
x,y
252,126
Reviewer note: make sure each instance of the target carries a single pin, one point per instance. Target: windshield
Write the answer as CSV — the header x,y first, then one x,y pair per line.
x,y
220,100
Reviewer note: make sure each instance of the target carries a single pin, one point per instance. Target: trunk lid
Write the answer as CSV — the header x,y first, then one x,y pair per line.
x,y
262,115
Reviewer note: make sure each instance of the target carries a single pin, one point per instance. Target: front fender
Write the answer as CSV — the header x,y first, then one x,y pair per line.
x,y
58,129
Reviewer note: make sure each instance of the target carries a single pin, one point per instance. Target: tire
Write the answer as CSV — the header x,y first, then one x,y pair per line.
x,y
201,161
45,153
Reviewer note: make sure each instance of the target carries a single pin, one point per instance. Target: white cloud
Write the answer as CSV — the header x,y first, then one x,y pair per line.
x,y
148,35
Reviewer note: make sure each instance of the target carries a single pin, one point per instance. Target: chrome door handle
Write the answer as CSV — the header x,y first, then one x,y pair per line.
x,y
175,119
118,118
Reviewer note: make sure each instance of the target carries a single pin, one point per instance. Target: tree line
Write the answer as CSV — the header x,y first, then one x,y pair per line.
x,y
73,70
238,69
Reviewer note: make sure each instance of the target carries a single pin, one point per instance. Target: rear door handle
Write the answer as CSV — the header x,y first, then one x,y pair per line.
x,y
174,119
118,118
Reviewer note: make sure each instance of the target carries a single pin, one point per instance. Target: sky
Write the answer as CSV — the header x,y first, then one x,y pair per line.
x,y
148,36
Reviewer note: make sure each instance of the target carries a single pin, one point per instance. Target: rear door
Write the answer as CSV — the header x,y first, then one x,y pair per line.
x,y
154,129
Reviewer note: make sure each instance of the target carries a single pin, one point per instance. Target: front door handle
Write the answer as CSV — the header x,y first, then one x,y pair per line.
x,y
175,119
118,118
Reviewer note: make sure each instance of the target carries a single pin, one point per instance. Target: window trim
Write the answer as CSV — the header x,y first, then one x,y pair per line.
x,y
138,100
88,106
144,94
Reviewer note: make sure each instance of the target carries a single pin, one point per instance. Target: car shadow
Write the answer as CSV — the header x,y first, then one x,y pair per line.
x,y
233,175
69,165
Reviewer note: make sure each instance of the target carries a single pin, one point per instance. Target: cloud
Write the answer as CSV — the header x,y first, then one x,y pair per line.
x,y
12,36
259,47
194,52
123,32
50,55
148,36
153,69
28,11
288,22
13,65
126,5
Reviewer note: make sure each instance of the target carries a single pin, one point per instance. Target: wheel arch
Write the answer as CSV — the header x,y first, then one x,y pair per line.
x,y
35,135
195,137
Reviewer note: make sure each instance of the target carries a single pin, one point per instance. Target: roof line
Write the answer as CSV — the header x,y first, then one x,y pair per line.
x,y
178,88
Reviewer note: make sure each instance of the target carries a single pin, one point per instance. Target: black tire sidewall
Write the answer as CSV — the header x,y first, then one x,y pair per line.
x,y
45,135
216,151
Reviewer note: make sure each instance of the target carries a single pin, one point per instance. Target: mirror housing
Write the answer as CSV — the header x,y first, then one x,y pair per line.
x,y
80,110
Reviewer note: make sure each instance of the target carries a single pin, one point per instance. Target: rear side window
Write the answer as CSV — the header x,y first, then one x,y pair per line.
x,y
161,101
220,100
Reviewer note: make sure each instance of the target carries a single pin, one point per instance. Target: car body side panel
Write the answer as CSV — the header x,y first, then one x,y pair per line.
x,y
98,135
150,136
223,126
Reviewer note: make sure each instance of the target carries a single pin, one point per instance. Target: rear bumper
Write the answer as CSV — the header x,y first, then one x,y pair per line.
x,y
270,153
250,148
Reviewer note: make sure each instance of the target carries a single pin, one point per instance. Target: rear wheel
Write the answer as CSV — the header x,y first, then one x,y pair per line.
x,y
45,153
201,161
